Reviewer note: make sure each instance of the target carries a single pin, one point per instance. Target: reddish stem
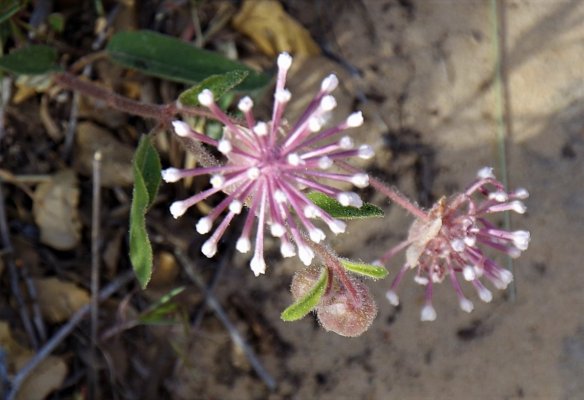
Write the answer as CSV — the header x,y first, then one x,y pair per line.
x,y
163,113
391,193
331,261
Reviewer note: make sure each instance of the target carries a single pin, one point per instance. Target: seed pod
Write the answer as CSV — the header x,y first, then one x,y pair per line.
x,y
341,313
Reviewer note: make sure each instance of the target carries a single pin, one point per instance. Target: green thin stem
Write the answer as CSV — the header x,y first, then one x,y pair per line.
x,y
503,111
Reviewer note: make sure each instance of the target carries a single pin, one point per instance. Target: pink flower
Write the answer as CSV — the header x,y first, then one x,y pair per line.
x,y
450,242
269,164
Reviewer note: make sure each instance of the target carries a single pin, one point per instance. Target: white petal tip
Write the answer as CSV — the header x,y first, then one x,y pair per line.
x,y
245,104
224,146
346,143
325,162
311,211
261,129
355,120
284,61
258,265
392,297
521,193
277,230
466,305
282,95
206,97
177,209
518,207
181,128
328,103
294,159
204,225
329,83
306,254
236,206
243,245
360,180
316,235
366,152
458,245
486,173
287,250
485,295
170,175
217,181
337,226
253,173
428,313
468,273
350,199
209,248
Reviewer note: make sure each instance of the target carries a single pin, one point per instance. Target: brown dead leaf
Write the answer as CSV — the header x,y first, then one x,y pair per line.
x,y
58,299
116,167
45,378
29,85
273,30
55,211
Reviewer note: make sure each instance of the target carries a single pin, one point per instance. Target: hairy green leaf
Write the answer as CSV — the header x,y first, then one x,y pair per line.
x,y
170,58
305,304
337,210
218,84
147,168
369,270
31,60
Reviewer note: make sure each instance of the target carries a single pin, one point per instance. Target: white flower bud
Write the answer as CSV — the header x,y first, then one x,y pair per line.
x,y
428,313
206,98
204,225
245,104
329,83
171,175
178,208
181,128
355,120
284,61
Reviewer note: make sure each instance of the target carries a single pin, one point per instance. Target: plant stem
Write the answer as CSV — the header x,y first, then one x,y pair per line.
x,y
391,193
163,113
331,261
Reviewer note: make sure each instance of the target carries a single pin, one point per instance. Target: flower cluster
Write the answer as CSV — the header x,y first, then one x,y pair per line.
x,y
449,241
269,165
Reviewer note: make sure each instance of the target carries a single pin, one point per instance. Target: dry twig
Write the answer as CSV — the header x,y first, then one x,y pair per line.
x,y
63,332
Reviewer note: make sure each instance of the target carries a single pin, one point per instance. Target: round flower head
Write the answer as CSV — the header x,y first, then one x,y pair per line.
x,y
268,166
450,242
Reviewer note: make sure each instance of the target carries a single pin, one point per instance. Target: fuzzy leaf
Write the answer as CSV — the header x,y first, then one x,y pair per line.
x,y
337,210
170,58
368,270
146,181
31,60
305,304
218,84
8,9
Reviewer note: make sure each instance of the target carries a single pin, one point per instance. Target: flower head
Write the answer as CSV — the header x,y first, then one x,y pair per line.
x,y
450,242
269,164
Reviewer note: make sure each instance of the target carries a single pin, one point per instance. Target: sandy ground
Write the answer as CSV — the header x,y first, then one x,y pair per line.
x,y
429,66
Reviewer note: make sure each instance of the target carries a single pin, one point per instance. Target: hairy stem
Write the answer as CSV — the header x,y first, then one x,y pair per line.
x,y
331,261
391,193
161,112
